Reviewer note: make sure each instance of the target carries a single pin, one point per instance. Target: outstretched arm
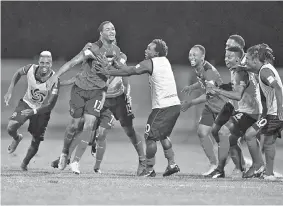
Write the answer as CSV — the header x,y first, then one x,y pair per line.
x,y
68,81
16,77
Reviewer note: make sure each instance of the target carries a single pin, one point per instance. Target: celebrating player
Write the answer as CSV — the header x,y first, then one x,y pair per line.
x,y
165,102
87,94
35,106
213,104
258,60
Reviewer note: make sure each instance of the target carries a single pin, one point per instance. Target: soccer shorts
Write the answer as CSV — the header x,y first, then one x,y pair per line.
x,y
37,122
270,125
207,117
224,115
121,109
242,121
161,122
106,119
85,102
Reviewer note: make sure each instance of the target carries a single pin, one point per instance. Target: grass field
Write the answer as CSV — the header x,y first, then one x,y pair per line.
x,y
118,184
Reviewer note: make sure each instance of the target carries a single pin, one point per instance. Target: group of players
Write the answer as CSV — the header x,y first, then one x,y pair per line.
x,y
101,92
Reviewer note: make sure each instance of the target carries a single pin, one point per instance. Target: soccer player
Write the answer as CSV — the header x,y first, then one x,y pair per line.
x,y
258,60
118,102
87,94
213,104
165,102
246,92
35,106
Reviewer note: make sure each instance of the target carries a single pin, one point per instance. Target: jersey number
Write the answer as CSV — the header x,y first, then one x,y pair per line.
x,y
238,116
261,123
97,105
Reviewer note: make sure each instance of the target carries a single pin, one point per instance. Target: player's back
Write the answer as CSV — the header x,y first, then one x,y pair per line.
x,y
162,84
36,92
89,79
269,92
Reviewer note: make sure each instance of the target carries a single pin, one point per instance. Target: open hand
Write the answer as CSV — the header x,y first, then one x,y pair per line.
x,y
27,112
185,105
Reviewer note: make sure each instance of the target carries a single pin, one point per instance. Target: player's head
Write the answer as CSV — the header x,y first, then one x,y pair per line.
x,y
107,31
235,40
157,48
233,56
258,55
197,55
45,63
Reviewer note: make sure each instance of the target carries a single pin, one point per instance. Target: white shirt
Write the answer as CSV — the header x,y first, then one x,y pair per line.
x,y
269,92
162,84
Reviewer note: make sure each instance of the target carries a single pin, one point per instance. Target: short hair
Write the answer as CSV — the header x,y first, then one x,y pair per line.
x,y
200,47
263,52
236,50
45,54
237,38
161,47
100,28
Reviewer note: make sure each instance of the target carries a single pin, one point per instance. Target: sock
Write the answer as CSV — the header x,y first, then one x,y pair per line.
x,y
81,148
207,146
101,147
76,141
32,150
269,151
236,154
255,150
223,152
151,149
68,138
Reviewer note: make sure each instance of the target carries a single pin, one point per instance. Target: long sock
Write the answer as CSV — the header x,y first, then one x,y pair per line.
x,y
255,150
81,148
223,152
76,141
32,150
236,153
269,151
136,141
151,149
101,147
207,146
68,138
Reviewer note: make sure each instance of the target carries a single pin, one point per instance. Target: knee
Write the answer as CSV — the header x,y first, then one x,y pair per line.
x,y
102,132
89,124
202,133
74,126
35,144
215,133
11,128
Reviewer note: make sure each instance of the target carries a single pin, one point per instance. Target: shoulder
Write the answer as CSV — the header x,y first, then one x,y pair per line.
x,y
26,68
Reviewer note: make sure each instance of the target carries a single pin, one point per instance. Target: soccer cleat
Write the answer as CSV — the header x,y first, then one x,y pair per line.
x,y
217,174
75,167
236,173
13,146
269,177
211,169
93,150
148,173
24,167
97,170
254,171
62,161
141,167
55,163
171,169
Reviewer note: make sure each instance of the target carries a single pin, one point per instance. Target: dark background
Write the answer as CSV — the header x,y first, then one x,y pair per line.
x,y
65,27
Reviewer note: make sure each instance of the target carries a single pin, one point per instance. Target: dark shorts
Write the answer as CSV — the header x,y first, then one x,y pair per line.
x,y
224,115
106,119
37,122
121,109
161,122
242,121
207,117
85,102
270,125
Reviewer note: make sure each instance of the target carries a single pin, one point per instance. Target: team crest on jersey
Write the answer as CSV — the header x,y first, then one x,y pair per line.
x,y
37,95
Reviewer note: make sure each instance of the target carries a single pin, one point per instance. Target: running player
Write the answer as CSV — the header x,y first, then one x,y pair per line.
x,y
118,102
165,103
258,60
213,104
35,106
87,94
246,92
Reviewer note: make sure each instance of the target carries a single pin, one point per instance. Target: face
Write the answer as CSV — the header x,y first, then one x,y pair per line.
x,y
231,43
252,63
231,59
150,51
108,32
45,64
196,57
